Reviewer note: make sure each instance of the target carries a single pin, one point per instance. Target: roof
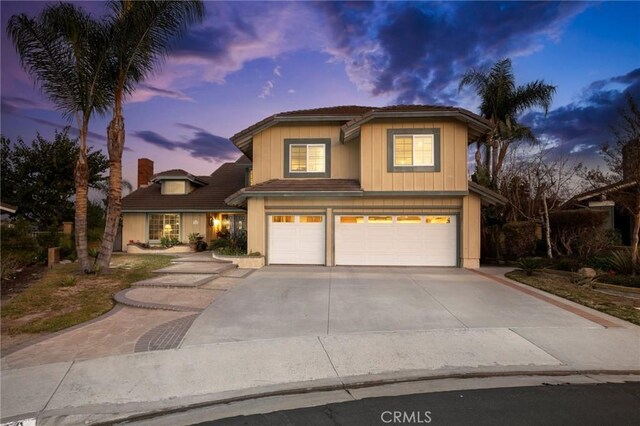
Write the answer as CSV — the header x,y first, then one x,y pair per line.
x,y
352,116
488,196
339,187
176,174
603,190
227,179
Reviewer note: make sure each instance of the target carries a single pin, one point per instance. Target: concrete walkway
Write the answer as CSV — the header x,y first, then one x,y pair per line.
x,y
535,336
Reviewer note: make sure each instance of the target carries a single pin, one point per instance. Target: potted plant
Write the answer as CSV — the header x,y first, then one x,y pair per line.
x,y
193,240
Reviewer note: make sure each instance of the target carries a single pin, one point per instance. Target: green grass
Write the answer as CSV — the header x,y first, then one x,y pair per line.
x,y
63,298
617,306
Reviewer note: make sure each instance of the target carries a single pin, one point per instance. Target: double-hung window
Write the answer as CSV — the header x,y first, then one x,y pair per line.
x,y
413,150
307,158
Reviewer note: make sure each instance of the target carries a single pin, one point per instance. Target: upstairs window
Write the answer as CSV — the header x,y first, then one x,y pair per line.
x,y
307,158
413,150
174,187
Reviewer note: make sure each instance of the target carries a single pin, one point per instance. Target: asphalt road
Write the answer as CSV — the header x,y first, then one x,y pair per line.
x,y
597,404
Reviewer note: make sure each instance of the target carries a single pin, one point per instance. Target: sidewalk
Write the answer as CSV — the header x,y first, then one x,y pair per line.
x,y
118,387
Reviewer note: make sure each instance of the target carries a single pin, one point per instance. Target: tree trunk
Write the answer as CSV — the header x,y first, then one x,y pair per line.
x,y
495,147
547,227
81,177
115,142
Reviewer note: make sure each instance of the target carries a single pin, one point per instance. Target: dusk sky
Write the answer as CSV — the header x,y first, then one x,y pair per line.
x,y
250,60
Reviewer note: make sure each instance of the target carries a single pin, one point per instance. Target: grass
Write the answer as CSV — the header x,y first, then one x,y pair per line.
x,y
63,298
614,305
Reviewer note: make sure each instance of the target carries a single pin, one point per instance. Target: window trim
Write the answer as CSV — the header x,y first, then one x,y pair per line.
x,y
392,168
287,173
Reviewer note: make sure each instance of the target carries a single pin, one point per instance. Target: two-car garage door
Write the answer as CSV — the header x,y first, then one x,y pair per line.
x,y
407,240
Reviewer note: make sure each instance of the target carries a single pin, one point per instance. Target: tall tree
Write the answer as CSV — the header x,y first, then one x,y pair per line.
x,y
501,103
65,51
48,166
623,160
141,35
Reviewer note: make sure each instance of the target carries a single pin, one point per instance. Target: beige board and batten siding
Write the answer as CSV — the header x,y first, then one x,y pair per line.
x,y
470,229
468,208
268,150
193,222
134,227
453,158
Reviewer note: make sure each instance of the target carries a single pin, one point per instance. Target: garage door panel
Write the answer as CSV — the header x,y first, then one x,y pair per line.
x,y
430,242
297,242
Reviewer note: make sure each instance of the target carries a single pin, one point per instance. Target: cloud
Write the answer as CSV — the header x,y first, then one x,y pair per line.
x,y
201,145
584,125
266,90
291,91
145,92
417,52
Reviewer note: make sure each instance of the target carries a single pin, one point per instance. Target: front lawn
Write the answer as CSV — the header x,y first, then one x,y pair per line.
x,y
62,298
617,306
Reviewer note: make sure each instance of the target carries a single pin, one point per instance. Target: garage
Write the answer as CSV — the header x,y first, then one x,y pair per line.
x,y
396,240
296,239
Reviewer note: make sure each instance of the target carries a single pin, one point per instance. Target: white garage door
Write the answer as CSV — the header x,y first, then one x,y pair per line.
x,y
296,239
407,240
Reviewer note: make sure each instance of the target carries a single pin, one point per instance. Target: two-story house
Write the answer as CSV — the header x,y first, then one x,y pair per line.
x,y
356,185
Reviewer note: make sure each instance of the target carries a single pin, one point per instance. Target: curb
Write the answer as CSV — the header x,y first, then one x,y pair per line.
x,y
346,386
121,297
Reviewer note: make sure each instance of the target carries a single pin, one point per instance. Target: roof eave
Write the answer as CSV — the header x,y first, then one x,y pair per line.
x,y
487,195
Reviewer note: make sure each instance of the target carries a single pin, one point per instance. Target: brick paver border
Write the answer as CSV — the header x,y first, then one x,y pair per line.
x,y
165,336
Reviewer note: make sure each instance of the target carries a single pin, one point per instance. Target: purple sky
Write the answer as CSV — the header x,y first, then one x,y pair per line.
x,y
250,60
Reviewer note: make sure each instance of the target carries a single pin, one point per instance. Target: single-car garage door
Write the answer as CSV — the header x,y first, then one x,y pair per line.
x,y
296,239
406,240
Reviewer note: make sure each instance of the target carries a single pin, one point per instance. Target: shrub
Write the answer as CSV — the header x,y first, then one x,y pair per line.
x,y
621,280
569,264
620,262
602,263
68,281
530,264
590,241
194,237
67,246
567,227
520,239
201,245
218,243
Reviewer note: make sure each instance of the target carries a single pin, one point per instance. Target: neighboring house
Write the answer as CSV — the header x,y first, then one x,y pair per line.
x,y
603,198
358,185
600,199
6,208
175,203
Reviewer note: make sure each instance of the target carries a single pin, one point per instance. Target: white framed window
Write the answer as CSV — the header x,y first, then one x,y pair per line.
x,y
164,225
413,150
174,187
307,158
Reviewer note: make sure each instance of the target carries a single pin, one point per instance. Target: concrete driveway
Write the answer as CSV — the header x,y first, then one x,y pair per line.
x,y
279,301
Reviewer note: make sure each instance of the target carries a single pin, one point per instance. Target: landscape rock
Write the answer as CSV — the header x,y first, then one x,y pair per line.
x,y
587,272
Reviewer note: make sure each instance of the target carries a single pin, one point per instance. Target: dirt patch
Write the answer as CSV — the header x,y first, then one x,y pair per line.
x,y
22,281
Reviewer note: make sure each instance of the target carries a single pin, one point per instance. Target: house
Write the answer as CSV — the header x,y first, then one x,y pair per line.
x,y
611,198
355,185
175,203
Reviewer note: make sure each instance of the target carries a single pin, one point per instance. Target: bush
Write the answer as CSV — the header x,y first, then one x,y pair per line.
x,y
620,262
530,264
590,241
569,264
601,263
520,239
621,280
19,247
218,243
67,246
570,229
236,242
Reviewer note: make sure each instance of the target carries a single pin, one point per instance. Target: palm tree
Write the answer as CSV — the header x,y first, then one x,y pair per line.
x,y
141,33
65,51
501,103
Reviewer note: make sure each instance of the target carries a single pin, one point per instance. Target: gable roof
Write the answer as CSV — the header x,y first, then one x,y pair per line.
x,y
353,116
176,174
209,197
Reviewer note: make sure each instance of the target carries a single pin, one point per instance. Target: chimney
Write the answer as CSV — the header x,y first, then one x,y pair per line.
x,y
631,159
145,171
